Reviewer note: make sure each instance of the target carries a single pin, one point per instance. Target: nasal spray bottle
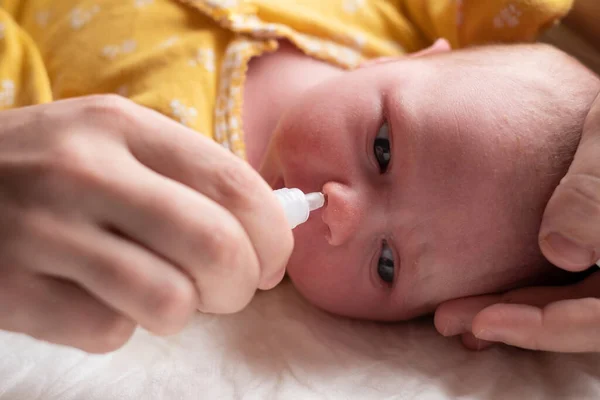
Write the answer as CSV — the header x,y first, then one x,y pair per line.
x,y
297,205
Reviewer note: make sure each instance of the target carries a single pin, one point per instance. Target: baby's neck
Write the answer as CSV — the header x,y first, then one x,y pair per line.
x,y
273,83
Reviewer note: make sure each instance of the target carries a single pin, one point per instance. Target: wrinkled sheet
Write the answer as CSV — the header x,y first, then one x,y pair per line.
x,y
280,347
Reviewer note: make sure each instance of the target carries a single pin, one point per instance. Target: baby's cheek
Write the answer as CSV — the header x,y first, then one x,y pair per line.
x,y
316,271
310,276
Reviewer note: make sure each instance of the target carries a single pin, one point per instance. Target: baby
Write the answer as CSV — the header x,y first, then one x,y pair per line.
x,y
436,167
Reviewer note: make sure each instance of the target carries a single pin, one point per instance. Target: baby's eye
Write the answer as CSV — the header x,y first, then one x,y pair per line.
x,y
381,148
385,265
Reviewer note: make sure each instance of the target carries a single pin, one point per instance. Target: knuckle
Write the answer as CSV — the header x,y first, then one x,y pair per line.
x,y
237,185
580,198
113,271
104,104
585,188
171,304
234,269
163,299
71,160
109,111
235,255
31,230
165,303
224,242
589,312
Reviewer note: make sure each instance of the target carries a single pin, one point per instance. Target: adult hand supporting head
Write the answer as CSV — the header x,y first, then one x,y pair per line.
x,y
563,319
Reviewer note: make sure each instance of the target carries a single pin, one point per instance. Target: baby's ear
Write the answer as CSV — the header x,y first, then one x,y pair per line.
x,y
439,46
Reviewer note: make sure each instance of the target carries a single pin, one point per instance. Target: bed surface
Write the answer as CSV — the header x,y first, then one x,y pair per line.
x,y
282,348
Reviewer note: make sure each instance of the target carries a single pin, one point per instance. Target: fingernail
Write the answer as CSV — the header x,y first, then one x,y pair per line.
x,y
452,327
487,335
562,248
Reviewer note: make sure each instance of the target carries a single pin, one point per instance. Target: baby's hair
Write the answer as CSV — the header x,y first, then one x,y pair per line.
x,y
552,95
569,98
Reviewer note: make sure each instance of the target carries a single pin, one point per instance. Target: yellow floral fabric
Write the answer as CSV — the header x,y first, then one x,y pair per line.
x,y
188,58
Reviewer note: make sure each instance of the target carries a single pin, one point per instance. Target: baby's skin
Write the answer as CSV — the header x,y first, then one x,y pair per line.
x,y
436,167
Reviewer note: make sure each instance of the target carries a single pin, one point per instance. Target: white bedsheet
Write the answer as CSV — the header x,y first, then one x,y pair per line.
x,y
282,348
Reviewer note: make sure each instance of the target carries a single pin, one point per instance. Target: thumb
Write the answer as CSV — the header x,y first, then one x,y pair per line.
x,y
570,231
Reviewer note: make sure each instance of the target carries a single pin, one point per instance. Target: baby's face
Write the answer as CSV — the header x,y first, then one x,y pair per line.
x,y
436,172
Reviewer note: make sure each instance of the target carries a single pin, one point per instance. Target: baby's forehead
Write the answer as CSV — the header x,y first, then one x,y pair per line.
x,y
483,62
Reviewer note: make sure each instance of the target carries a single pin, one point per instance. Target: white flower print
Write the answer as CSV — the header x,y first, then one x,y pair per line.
x,y
238,21
126,47
220,131
80,17
185,115
222,3
7,93
205,58
396,46
347,56
313,46
142,3
510,16
359,40
352,6
169,42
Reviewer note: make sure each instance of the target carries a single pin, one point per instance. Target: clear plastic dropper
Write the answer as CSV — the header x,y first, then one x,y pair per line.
x,y
297,205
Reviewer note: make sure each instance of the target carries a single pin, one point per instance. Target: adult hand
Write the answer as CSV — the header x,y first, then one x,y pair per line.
x,y
564,319
112,216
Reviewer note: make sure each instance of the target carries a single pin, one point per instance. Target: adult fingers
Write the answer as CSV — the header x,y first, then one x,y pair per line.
x,y
570,230
197,162
561,326
554,318
62,313
545,318
189,230
472,343
455,317
123,275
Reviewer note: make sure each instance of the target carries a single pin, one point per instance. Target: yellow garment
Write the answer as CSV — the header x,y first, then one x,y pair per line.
x,y
187,58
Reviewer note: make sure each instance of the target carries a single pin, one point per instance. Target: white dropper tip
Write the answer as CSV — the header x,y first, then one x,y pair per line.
x,y
315,200
297,206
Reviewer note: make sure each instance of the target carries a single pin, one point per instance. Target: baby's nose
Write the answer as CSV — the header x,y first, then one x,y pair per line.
x,y
342,213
